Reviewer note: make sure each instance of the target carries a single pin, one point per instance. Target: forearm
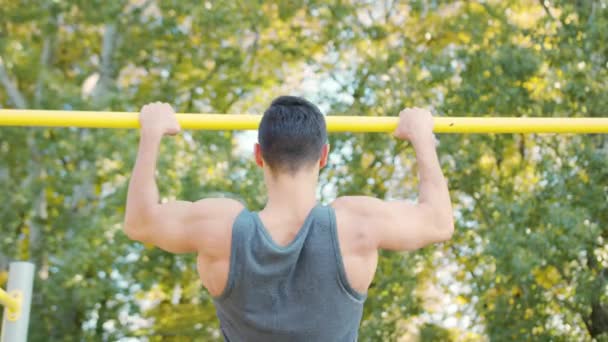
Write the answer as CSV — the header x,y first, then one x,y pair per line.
x,y
433,188
142,196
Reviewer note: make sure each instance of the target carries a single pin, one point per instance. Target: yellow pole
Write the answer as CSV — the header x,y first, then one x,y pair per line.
x,y
55,118
8,301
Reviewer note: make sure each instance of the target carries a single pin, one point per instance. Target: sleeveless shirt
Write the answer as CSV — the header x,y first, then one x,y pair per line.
x,y
294,293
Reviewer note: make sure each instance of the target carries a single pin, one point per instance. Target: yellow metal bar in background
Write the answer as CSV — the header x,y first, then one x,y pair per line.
x,y
54,118
8,301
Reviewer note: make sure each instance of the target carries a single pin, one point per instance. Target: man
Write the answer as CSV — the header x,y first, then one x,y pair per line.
x,y
297,270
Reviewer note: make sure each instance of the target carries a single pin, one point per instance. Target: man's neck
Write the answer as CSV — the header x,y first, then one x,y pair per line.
x,y
291,194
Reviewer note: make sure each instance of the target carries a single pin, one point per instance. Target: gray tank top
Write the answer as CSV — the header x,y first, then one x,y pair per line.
x,y
294,293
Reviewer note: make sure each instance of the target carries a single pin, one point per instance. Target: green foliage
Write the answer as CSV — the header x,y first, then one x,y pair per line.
x,y
528,261
433,333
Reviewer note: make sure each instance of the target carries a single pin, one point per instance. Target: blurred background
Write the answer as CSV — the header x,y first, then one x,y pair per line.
x,y
528,261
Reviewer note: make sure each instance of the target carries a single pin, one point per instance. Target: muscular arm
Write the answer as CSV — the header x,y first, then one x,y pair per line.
x,y
177,226
400,225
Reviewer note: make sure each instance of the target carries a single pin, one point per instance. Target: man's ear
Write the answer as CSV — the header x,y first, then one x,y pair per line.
x,y
324,156
257,151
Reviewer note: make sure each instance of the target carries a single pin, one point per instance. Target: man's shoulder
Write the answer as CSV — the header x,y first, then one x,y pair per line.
x,y
356,206
214,219
218,208
353,229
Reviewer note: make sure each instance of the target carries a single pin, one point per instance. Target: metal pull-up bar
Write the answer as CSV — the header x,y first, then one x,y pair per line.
x,y
57,118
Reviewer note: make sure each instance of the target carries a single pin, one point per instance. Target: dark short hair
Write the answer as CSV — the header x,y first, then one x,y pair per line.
x,y
292,134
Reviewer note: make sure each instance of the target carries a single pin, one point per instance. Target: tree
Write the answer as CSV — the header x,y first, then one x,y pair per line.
x,y
529,258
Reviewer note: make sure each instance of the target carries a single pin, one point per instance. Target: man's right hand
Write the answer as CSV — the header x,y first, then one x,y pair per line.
x,y
158,118
414,124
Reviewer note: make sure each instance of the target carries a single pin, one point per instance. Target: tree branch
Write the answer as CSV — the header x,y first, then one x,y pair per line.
x,y
45,60
548,12
105,70
546,8
140,8
109,44
389,6
11,88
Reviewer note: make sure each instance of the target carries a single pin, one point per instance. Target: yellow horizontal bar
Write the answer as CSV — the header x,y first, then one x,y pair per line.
x,y
9,302
56,118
